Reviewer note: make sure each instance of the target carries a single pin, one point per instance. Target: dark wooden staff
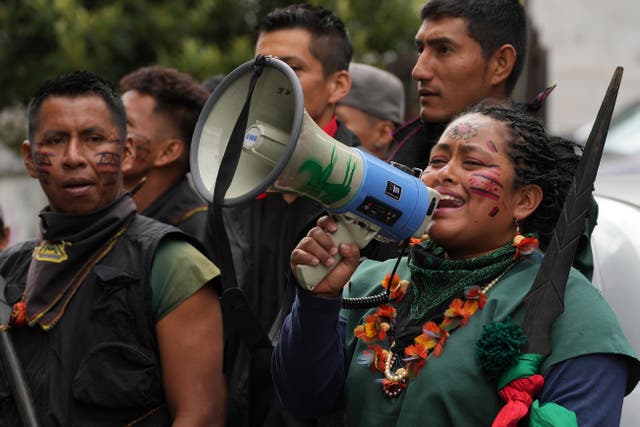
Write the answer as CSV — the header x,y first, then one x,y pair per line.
x,y
545,300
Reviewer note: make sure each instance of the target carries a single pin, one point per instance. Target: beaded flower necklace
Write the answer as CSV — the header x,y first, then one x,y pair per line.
x,y
429,343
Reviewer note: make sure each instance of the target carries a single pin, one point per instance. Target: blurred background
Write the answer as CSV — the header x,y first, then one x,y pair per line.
x,y
575,44
585,40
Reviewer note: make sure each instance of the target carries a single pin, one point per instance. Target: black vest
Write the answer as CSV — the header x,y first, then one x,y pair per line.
x,y
99,366
181,206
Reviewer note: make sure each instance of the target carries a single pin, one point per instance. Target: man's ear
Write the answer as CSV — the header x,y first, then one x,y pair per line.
x,y
339,86
170,150
383,137
501,64
27,157
528,199
384,131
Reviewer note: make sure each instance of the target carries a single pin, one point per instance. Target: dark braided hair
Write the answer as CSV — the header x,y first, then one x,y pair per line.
x,y
547,161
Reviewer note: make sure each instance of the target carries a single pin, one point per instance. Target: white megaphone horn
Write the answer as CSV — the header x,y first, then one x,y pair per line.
x,y
253,135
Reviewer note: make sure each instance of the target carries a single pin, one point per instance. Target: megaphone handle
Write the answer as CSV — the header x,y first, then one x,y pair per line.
x,y
349,231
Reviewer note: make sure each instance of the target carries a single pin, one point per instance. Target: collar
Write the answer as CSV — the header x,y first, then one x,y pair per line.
x,y
71,246
332,127
437,279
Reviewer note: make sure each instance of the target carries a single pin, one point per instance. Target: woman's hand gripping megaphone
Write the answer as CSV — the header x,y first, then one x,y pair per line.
x,y
324,260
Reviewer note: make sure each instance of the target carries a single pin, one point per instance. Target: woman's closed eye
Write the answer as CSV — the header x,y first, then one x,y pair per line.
x,y
473,163
437,162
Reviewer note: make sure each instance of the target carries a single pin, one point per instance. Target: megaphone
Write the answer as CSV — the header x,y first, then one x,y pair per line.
x,y
253,135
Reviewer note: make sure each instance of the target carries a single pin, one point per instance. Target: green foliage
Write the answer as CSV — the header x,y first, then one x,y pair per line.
x,y
43,38
13,127
380,31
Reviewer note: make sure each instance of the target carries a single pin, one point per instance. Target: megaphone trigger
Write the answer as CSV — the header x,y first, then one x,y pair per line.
x,y
351,229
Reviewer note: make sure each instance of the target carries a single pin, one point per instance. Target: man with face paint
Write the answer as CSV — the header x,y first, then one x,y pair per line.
x,y
115,317
162,107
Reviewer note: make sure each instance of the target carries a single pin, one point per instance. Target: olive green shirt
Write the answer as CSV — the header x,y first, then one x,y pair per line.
x,y
179,270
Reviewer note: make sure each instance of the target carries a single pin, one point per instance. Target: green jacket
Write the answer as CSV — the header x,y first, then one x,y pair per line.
x,y
452,390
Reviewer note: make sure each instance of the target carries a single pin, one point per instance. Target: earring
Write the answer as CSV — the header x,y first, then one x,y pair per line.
x,y
517,237
524,245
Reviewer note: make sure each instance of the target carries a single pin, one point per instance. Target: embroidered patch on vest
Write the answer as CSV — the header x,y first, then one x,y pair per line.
x,y
51,252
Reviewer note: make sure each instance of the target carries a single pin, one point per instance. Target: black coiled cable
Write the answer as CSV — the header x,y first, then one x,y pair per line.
x,y
378,299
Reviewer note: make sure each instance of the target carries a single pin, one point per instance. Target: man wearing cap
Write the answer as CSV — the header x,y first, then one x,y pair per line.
x,y
373,108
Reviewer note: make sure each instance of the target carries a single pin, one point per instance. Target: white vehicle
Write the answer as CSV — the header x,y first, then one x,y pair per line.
x,y
621,153
616,252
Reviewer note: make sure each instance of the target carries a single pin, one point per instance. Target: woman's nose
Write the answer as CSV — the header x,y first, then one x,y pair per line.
x,y
434,177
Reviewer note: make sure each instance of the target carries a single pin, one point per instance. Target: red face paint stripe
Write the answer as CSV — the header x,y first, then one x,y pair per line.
x,y
109,159
488,178
42,159
484,193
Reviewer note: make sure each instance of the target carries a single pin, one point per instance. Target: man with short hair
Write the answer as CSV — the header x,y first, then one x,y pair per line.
x,y
467,50
115,316
262,233
163,105
373,108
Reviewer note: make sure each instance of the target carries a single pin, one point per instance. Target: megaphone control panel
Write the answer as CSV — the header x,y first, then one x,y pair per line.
x,y
379,211
396,201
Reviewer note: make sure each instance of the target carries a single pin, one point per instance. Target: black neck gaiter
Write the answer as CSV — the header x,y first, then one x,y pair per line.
x,y
69,248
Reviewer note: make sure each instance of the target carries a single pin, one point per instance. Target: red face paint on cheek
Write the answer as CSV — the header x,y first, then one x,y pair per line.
x,y
42,161
493,212
485,186
142,153
108,166
141,146
108,160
